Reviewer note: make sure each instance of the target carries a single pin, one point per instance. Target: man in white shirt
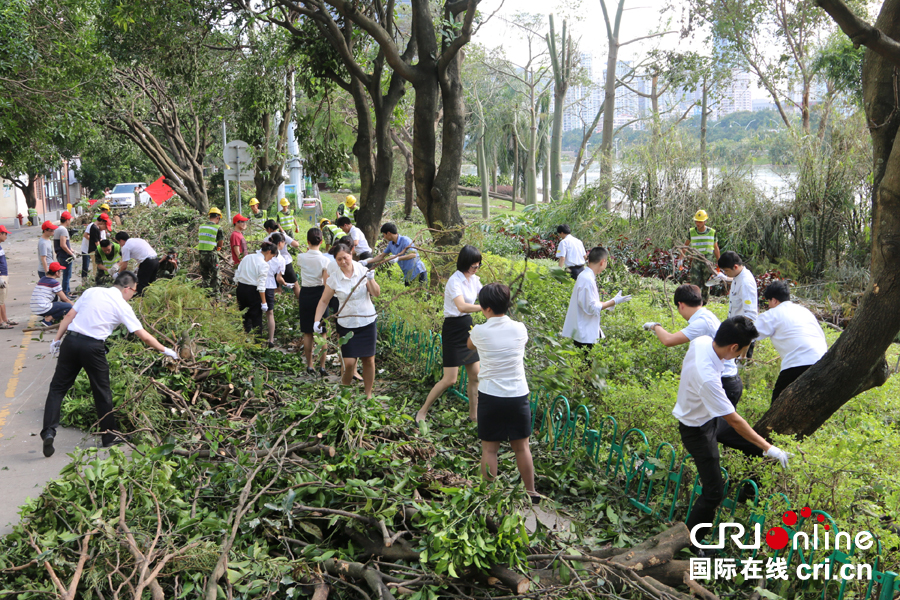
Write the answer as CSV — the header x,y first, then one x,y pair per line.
x,y
743,300
250,277
795,333
583,316
144,254
570,252
361,247
702,405
93,318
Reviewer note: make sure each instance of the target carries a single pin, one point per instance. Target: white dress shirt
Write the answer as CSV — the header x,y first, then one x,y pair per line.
x,y
100,310
743,300
572,250
501,349
288,240
701,396
253,270
795,332
704,322
460,285
357,236
137,249
276,266
311,264
358,307
583,316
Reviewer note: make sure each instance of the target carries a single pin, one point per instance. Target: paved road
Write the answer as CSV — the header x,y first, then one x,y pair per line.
x,y
25,373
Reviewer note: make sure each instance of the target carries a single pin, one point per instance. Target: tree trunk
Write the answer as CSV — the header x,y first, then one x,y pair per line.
x,y
561,59
704,120
408,183
856,361
483,175
515,181
531,164
609,103
545,178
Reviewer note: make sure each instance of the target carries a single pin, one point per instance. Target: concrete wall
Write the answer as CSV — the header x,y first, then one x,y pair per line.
x,y
12,201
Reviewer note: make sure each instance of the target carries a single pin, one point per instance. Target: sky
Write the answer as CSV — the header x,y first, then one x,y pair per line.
x,y
585,21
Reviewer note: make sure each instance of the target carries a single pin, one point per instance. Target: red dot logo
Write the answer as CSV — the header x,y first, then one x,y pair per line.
x,y
820,518
805,512
777,538
827,528
789,518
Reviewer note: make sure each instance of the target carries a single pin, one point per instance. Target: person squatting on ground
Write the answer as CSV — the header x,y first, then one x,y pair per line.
x,y
5,323
703,240
210,239
290,276
504,414
354,286
62,245
143,254
570,252
331,233
361,248
93,318
582,322
795,332
700,407
460,295
743,298
406,255
313,265
48,300
251,276
107,258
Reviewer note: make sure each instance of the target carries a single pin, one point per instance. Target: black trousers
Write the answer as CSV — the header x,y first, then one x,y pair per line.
x,y
574,272
81,352
146,273
703,447
248,298
786,378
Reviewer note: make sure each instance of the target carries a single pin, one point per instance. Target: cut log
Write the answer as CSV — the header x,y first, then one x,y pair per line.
x,y
359,571
322,591
514,581
53,327
470,191
399,550
655,551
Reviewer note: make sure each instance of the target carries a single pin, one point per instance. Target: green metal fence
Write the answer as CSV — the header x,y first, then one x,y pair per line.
x,y
653,479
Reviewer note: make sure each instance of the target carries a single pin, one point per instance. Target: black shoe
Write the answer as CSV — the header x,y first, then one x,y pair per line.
x,y
117,441
270,344
310,371
48,446
323,372
535,499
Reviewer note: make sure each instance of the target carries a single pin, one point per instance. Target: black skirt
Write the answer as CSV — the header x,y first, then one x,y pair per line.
x,y
270,298
454,335
362,344
309,302
503,419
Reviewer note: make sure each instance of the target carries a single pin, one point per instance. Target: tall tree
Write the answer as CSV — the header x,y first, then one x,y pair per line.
x,y
856,360
562,57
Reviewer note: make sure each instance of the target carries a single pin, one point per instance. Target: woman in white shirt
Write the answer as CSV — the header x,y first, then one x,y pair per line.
x,y
274,281
504,413
313,267
460,295
251,276
354,286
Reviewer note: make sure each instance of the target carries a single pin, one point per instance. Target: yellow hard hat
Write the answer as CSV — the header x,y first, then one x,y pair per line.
x,y
351,200
323,223
284,202
701,215
215,211
253,201
104,206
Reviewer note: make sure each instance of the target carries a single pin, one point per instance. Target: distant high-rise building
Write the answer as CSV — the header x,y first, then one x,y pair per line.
x,y
734,94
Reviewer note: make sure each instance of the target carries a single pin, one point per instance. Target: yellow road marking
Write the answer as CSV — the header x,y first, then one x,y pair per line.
x,y
3,414
19,364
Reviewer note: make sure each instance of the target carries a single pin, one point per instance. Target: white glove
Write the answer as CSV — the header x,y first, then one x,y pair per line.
x,y
779,455
365,261
619,299
649,326
54,347
317,327
264,307
371,274
289,286
170,353
721,276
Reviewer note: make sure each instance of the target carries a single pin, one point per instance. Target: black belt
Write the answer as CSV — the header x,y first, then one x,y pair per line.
x,y
81,335
576,267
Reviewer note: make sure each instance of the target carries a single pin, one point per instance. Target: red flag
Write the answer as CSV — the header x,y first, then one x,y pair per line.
x,y
159,191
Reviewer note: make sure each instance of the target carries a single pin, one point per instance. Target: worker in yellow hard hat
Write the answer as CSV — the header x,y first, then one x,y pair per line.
x,y
256,214
99,209
285,218
348,208
211,237
330,232
703,240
